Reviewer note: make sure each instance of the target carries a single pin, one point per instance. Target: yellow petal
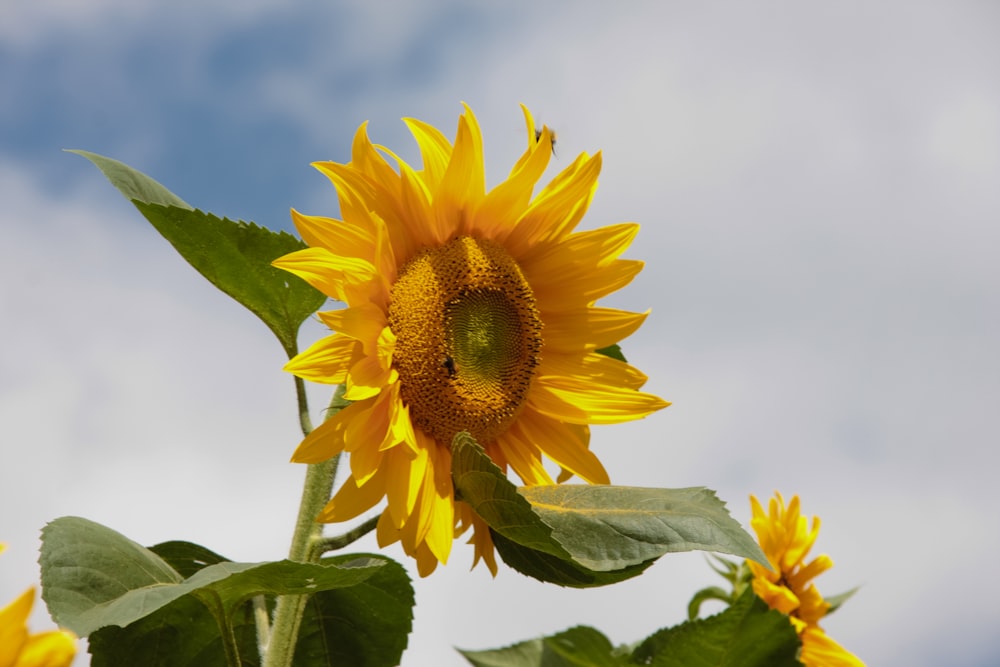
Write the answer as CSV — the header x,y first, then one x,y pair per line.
x,y
336,276
556,210
364,322
524,457
463,184
503,205
435,150
352,500
55,648
566,444
592,367
327,360
366,379
441,531
336,236
327,440
595,247
405,472
588,328
13,626
582,403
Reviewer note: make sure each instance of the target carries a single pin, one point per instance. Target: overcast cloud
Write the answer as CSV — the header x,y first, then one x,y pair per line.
x,y
818,191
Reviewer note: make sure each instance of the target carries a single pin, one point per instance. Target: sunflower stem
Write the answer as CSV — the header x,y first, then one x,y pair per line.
x,y
315,494
303,402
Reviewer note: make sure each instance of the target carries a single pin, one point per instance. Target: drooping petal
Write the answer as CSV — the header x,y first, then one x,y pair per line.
x,y
565,444
405,473
327,440
524,457
351,500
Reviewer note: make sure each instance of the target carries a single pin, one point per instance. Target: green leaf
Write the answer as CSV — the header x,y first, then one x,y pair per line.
x,y
550,569
611,527
483,485
835,601
234,256
566,533
748,634
581,646
522,539
186,557
94,577
523,654
134,185
86,568
366,624
180,634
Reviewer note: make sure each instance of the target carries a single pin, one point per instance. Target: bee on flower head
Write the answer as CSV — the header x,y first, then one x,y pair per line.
x,y
552,133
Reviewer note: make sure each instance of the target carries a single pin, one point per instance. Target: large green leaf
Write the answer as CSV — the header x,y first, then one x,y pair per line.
x,y
611,527
234,256
94,577
570,534
180,634
550,569
522,539
186,557
581,646
481,484
747,634
365,625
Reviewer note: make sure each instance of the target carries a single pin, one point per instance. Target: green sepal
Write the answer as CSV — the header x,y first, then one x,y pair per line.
x,y
747,634
234,256
581,646
614,351
590,535
835,601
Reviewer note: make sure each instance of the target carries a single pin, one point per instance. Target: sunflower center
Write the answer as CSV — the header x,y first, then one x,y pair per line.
x,y
468,337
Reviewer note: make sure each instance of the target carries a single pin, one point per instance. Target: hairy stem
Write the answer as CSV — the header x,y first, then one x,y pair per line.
x,y
315,493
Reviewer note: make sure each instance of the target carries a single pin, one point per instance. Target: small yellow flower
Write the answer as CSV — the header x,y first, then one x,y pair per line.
x,y
786,539
467,310
19,648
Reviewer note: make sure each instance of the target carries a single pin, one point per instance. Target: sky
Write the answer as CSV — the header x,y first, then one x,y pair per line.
x,y
817,185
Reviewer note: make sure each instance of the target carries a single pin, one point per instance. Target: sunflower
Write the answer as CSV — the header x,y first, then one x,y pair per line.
x,y
20,648
786,539
466,310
